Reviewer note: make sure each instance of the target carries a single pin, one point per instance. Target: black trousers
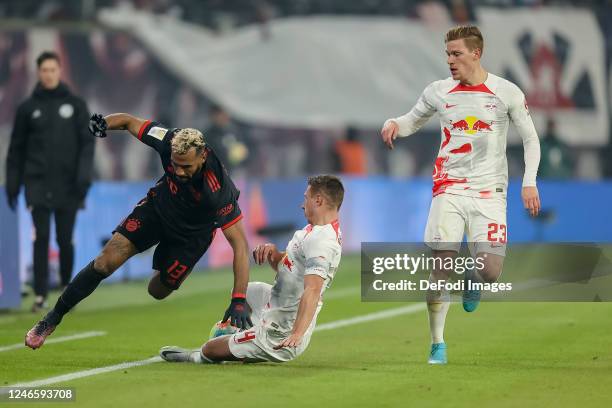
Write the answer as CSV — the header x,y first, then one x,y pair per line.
x,y
64,226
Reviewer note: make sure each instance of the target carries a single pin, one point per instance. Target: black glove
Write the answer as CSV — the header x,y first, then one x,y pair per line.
x,y
239,312
97,125
12,201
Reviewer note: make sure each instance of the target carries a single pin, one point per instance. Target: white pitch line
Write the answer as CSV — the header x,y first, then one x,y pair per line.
x,y
57,340
383,314
81,374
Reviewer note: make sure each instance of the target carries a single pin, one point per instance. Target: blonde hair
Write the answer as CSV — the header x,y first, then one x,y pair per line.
x,y
470,34
185,139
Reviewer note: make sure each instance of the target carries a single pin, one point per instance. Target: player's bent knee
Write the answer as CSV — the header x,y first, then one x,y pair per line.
x,y
157,289
157,295
103,265
114,254
493,266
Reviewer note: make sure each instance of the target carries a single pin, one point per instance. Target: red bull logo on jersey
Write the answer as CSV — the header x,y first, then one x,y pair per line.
x,y
471,125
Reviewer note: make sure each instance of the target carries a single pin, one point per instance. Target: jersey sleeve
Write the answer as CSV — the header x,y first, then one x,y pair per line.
x,y
412,121
228,215
319,251
154,134
519,114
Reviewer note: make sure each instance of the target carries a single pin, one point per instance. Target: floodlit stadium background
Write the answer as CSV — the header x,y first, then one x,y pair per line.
x,y
299,78
296,77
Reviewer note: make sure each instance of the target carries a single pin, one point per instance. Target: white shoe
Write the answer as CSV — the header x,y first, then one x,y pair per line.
x,y
176,354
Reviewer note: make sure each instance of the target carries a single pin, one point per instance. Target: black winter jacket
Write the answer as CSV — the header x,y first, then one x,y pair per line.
x,y
51,150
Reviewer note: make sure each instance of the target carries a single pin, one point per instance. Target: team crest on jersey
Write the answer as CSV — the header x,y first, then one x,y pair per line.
x,y
157,132
132,224
66,111
36,114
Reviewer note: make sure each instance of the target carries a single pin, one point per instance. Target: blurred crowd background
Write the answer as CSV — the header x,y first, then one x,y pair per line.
x,y
115,69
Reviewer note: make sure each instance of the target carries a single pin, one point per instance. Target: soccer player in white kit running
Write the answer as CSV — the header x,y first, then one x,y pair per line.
x,y
470,175
284,315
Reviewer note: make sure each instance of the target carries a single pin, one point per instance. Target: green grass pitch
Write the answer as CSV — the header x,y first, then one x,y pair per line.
x,y
503,355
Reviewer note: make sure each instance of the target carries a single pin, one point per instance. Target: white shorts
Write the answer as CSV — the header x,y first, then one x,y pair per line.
x,y
257,343
483,220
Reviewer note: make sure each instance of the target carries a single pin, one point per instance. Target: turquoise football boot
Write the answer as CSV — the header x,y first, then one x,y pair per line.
x,y
438,354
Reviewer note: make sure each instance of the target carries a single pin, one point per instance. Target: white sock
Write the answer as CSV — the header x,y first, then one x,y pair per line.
x,y
196,357
437,309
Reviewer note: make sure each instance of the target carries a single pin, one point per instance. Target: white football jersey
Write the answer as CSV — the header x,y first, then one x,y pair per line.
x,y
474,123
314,250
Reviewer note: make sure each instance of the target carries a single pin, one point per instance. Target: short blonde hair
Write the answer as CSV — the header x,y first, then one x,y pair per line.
x,y
470,34
185,139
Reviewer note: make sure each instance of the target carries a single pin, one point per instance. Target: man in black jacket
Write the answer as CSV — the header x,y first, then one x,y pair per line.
x,y
51,153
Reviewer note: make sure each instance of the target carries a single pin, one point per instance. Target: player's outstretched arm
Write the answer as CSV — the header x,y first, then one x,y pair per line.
x,y
237,312
306,310
98,124
124,121
268,252
412,121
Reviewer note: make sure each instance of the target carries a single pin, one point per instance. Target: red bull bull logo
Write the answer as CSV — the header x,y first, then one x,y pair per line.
x,y
471,125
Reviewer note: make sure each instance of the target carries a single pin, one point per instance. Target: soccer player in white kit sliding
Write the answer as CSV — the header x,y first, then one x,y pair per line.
x,y
470,175
284,315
